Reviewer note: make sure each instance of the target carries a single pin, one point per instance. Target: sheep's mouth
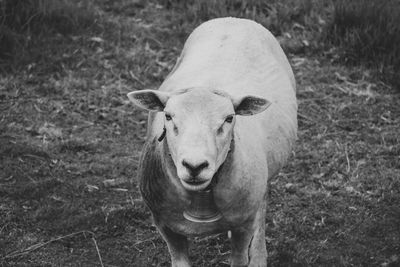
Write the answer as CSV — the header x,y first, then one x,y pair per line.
x,y
195,182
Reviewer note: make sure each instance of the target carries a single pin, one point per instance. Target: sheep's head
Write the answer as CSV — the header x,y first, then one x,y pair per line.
x,y
199,128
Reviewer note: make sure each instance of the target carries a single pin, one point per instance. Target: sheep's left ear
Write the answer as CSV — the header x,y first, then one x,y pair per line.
x,y
152,100
250,105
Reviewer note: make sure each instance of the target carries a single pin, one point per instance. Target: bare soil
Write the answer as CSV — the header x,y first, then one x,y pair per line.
x,y
70,143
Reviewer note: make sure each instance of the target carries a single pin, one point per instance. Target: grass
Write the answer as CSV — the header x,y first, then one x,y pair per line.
x,y
296,22
369,31
70,143
25,23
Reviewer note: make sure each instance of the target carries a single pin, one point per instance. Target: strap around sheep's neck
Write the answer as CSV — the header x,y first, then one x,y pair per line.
x,y
162,134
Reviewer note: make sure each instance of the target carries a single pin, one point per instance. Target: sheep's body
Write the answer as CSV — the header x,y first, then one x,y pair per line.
x,y
238,57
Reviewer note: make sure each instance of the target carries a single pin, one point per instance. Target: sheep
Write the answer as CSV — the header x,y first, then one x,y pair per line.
x,y
222,122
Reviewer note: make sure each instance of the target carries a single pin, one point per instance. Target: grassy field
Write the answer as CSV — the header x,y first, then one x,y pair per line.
x,y
70,143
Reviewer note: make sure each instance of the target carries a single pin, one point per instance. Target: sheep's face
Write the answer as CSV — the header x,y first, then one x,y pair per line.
x,y
199,128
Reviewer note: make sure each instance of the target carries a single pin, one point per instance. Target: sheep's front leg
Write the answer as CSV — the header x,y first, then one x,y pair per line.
x,y
248,243
258,249
240,242
177,246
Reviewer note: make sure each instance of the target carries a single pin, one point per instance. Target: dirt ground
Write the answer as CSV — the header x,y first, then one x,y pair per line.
x,y
70,143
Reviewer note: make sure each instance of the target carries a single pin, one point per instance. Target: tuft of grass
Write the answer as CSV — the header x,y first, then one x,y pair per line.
x,y
368,32
277,16
24,22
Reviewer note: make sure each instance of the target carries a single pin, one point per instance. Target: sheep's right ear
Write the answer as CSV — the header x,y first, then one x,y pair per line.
x,y
152,100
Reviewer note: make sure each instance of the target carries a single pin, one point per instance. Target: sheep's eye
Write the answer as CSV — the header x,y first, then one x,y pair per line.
x,y
168,117
229,119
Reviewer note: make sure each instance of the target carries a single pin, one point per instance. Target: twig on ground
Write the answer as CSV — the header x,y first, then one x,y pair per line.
x,y
134,77
146,240
27,175
341,89
151,239
131,199
98,251
305,117
3,227
348,160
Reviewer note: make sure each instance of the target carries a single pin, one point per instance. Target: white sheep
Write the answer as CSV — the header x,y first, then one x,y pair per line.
x,y
228,113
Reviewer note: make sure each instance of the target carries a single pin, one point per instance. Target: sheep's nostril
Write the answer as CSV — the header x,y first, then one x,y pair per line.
x,y
195,168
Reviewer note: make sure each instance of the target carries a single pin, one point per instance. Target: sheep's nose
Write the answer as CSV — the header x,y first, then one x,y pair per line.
x,y
194,168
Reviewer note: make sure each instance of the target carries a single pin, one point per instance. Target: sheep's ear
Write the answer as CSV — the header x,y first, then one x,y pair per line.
x,y
152,100
250,105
